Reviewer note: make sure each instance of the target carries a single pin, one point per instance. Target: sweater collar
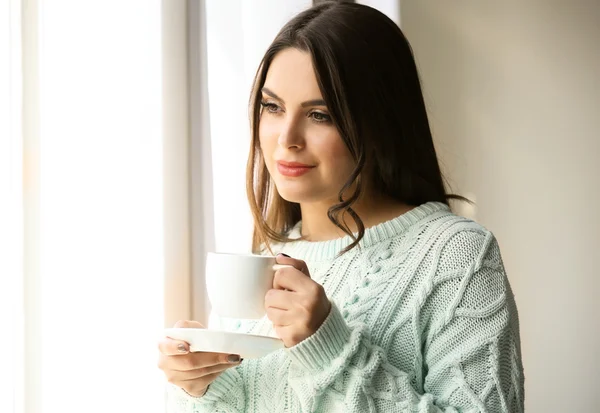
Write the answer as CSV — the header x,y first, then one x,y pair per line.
x,y
326,250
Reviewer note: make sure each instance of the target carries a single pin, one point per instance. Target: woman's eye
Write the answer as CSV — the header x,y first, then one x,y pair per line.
x,y
270,107
320,117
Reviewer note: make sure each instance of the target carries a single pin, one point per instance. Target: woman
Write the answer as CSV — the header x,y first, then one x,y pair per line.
x,y
393,302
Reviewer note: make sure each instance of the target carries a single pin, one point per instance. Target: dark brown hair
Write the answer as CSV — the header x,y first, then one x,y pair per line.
x,y
368,78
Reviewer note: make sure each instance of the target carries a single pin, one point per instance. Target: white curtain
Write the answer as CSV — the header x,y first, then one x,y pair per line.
x,y
101,244
11,211
81,206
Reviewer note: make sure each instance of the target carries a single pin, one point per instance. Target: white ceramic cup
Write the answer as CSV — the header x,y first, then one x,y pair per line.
x,y
237,283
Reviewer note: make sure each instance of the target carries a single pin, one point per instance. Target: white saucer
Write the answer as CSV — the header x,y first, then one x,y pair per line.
x,y
248,346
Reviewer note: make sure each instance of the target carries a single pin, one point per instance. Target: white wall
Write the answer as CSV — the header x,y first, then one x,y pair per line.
x,y
513,90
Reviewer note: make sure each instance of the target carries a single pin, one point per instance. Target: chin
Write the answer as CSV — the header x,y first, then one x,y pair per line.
x,y
293,196
297,195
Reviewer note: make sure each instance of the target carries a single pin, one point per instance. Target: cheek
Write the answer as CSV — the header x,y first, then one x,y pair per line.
x,y
339,160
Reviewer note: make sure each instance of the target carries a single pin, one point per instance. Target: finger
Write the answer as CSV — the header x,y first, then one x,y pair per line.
x,y
172,347
209,378
212,359
199,360
279,318
188,324
297,264
291,279
179,376
280,299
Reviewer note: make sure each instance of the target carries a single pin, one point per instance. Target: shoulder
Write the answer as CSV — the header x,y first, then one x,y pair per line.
x,y
452,243
432,233
462,272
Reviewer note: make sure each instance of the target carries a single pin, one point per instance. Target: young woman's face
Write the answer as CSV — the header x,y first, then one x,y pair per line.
x,y
303,151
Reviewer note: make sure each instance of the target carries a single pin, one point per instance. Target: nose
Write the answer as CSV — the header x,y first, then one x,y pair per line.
x,y
291,135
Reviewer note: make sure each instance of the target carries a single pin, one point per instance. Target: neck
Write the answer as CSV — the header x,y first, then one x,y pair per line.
x,y
372,210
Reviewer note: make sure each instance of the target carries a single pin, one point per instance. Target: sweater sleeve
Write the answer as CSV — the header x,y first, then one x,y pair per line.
x,y
224,395
468,351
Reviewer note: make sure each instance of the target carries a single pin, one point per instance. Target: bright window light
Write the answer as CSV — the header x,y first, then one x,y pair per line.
x,y
11,241
101,261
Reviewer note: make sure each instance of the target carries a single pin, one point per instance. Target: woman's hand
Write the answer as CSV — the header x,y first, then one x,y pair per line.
x,y
193,372
297,305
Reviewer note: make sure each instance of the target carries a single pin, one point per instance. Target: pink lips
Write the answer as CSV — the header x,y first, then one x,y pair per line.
x,y
292,169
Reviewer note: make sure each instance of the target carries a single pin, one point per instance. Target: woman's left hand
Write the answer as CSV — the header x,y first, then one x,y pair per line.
x,y
297,305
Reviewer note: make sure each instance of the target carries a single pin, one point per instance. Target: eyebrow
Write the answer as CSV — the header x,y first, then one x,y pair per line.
x,y
313,102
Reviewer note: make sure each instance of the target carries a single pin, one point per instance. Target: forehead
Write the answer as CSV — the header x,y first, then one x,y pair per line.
x,y
292,77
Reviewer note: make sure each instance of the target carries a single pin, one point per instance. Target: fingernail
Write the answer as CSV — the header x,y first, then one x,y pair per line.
x,y
233,358
285,255
182,348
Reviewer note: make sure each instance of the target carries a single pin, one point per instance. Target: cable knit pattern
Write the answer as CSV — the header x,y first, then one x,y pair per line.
x,y
423,320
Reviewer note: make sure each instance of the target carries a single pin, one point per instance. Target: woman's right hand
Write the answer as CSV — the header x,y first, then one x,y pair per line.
x,y
193,372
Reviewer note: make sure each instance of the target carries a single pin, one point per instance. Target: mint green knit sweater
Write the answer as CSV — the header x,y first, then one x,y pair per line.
x,y
423,320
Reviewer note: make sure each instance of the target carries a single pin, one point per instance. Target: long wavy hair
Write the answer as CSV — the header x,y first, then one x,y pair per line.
x,y
367,75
